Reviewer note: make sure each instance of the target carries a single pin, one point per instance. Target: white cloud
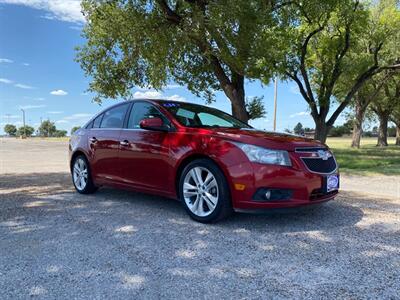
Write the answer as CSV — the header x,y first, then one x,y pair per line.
x,y
31,106
5,60
18,85
54,112
26,64
78,28
58,93
156,95
176,98
38,99
148,94
64,10
260,124
294,89
23,86
6,81
172,86
148,88
62,122
299,114
78,116
12,116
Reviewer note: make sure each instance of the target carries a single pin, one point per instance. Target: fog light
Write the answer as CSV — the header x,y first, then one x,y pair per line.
x,y
272,194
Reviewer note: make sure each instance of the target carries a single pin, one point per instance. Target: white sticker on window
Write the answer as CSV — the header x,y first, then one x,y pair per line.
x,y
185,113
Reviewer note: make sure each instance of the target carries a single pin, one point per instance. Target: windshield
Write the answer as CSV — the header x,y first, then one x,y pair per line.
x,y
192,115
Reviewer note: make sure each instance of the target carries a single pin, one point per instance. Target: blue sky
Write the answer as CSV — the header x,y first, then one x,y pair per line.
x,y
38,72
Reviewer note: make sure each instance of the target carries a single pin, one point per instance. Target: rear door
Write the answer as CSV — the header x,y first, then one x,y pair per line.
x,y
144,155
104,144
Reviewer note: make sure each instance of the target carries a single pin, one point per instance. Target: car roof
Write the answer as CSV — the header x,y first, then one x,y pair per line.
x,y
157,101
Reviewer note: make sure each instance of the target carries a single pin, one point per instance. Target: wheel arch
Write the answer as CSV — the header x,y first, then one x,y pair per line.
x,y
75,154
194,156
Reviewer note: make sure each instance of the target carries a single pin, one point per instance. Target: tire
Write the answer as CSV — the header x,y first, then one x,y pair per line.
x,y
205,200
83,182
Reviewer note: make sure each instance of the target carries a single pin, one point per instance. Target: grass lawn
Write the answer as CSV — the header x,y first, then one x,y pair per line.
x,y
367,160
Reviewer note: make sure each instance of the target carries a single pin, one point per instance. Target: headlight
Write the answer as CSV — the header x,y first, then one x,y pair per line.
x,y
264,155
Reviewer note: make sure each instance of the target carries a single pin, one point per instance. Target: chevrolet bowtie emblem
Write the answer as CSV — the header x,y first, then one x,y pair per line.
x,y
324,154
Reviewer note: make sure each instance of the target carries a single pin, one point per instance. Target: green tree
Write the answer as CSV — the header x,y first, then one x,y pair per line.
x,y
395,118
338,45
75,128
371,91
60,133
298,129
47,128
204,45
10,129
338,131
25,131
385,105
255,108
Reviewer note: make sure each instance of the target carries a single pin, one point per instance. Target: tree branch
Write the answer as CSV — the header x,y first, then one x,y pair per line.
x,y
311,103
358,84
303,69
204,47
170,14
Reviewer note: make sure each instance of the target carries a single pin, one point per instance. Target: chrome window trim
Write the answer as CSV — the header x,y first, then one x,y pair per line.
x,y
105,128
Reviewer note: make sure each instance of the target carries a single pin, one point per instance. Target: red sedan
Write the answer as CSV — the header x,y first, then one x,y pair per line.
x,y
212,162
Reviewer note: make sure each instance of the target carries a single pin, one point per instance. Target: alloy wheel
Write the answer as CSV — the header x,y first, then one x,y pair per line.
x,y
200,191
80,174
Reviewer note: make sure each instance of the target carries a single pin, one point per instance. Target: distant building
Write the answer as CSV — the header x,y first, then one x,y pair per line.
x,y
309,134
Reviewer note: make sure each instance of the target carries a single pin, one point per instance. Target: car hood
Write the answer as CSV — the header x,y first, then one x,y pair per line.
x,y
272,140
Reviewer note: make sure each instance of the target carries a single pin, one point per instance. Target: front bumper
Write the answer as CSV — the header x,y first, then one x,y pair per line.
x,y
306,187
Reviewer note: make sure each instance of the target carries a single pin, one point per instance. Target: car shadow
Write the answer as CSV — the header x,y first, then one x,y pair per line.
x,y
333,214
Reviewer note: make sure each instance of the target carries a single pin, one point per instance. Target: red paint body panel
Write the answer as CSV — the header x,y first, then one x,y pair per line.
x,y
150,161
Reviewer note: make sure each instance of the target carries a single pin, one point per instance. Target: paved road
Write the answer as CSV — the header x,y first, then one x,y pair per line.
x,y
55,243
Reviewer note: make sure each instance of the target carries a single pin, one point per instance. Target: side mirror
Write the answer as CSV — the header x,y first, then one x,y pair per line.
x,y
153,124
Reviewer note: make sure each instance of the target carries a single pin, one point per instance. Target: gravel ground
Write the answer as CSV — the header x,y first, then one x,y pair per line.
x,y
55,243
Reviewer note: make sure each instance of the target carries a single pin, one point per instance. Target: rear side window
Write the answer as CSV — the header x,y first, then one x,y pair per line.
x,y
114,117
143,110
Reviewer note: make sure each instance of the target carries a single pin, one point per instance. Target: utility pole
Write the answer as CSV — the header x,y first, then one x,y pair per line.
x,y
275,101
23,121
8,118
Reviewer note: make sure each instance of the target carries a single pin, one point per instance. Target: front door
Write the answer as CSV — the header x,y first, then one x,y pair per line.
x,y
144,155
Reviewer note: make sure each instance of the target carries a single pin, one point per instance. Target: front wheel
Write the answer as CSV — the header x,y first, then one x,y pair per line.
x,y
204,191
81,176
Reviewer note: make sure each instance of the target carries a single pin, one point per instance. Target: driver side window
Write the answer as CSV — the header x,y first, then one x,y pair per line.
x,y
143,110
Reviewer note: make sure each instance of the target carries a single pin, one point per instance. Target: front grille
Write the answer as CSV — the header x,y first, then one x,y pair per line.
x,y
318,165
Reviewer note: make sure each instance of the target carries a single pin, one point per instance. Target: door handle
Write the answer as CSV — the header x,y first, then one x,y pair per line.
x,y
93,140
124,143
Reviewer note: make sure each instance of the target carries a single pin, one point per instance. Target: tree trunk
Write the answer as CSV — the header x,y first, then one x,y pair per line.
x,y
321,130
398,134
235,93
382,131
239,107
357,128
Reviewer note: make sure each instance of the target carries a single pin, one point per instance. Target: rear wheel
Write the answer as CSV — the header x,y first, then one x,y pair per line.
x,y
204,191
81,176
